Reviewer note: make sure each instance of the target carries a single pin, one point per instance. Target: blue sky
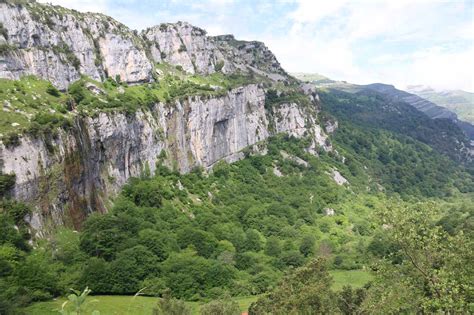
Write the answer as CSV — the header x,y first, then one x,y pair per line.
x,y
401,42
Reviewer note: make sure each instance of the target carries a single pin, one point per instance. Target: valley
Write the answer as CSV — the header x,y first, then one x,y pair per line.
x,y
168,171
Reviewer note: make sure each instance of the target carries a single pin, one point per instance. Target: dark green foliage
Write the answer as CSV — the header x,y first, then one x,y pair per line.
x,y
46,124
78,91
221,307
401,164
7,182
189,275
219,65
369,109
307,245
11,140
170,306
52,90
3,31
349,300
306,291
104,235
203,242
129,269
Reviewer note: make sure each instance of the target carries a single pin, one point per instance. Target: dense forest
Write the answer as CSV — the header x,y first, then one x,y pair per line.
x,y
241,228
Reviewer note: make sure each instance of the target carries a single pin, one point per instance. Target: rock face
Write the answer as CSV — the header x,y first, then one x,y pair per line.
x,y
60,45
67,176
74,174
188,46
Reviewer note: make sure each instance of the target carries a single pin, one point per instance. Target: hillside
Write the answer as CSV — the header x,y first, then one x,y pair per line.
x,y
194,170
458,101
423,105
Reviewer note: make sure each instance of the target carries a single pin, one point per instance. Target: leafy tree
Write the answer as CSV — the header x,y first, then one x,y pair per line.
x,y
202,241
349,300
273,247
170,306
307,245
221,307
434,273
253,240
130,268
103,235
306,291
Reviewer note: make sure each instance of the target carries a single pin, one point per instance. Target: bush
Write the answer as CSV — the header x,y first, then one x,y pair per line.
x,y
219,65
170,306
52,90
3,31
221,307
7,182
11,140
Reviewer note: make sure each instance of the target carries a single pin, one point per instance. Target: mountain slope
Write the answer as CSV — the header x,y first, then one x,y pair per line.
x,y
458,101
169,95
429,108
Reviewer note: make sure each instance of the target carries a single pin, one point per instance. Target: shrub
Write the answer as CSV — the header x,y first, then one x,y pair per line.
x,y
51,90
221,307
7,181
11,140
219,65
3,31
170,306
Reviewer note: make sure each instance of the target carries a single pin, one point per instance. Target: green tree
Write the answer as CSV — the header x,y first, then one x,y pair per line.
x,y
305,291
436,271
221,307
253,240
171,306
307,245
273,247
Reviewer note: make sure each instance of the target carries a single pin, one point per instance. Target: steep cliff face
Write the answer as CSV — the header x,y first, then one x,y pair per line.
x,y
72,172
189,46
75,173
60,45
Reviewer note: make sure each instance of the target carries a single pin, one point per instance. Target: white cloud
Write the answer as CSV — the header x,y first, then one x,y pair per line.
x,y
332,37
401,42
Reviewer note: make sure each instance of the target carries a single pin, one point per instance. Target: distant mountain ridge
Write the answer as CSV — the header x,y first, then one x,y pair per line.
x,y
458,101
426,106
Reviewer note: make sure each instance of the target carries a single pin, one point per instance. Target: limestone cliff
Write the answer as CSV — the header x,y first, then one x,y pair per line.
x,y
76,172
60,45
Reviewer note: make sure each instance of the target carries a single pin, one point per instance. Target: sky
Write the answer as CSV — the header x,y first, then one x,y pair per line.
x,y
400,42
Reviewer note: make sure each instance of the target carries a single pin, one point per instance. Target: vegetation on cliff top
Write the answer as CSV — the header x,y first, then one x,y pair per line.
x,y
34,106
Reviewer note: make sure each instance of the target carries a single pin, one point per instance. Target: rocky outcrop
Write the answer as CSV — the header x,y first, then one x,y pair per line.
x,y
76,172
189,46
60,45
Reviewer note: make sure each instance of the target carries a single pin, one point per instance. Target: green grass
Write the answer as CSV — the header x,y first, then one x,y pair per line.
x,y
21,99
120,305
354,278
